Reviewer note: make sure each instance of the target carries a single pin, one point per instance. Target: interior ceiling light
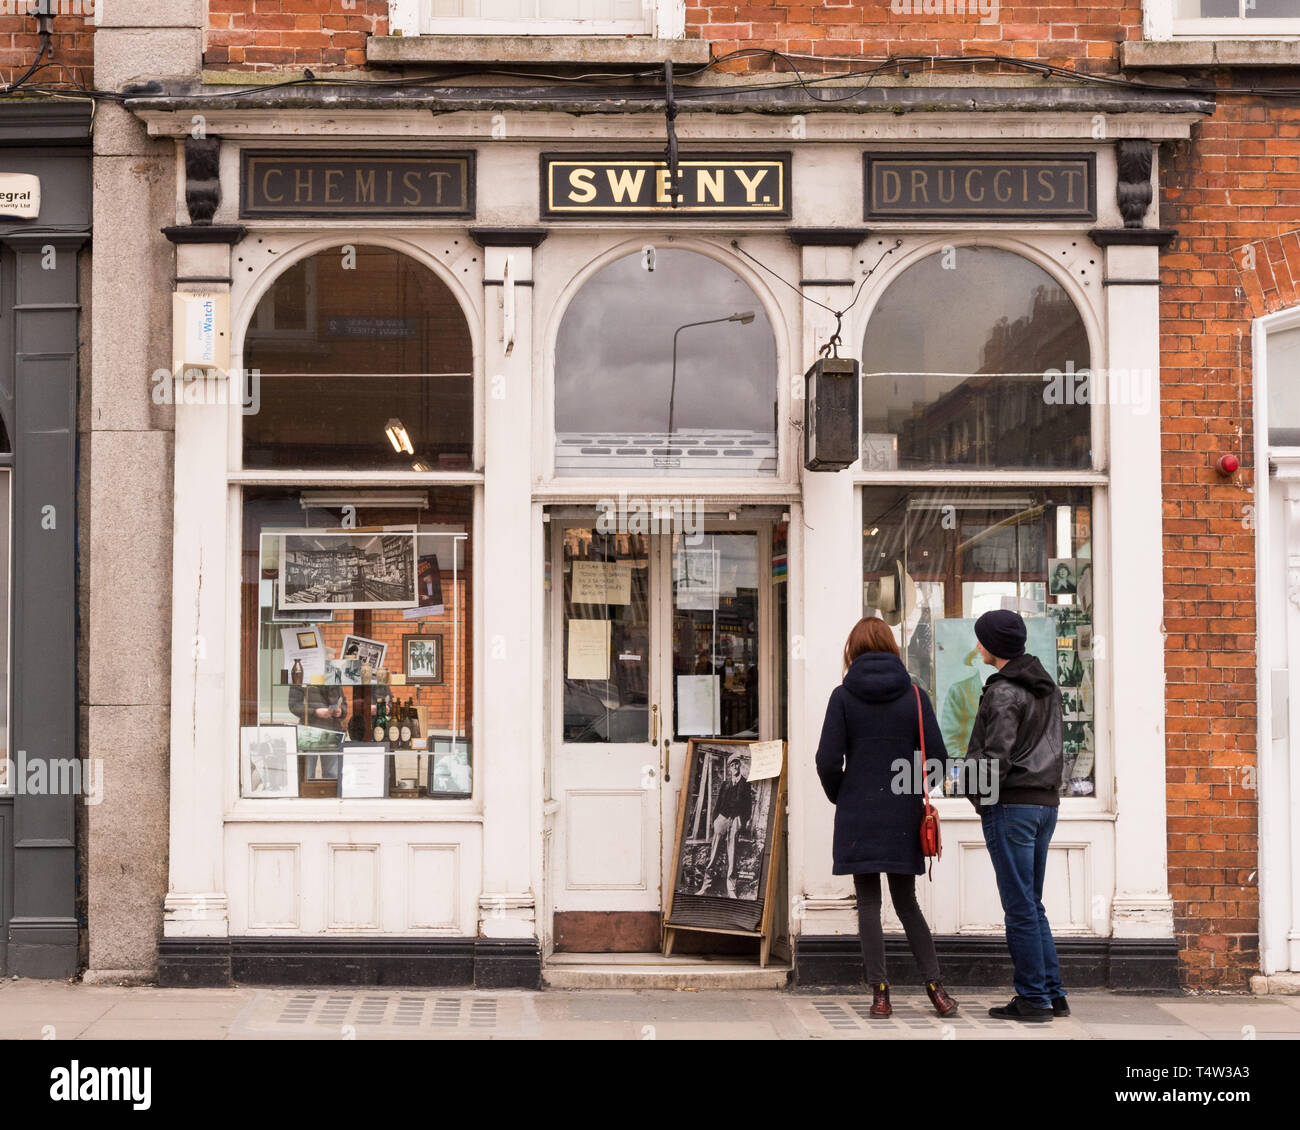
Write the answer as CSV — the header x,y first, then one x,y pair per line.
x,y
398,437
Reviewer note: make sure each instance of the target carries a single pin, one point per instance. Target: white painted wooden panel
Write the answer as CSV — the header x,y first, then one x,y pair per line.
x,y
595,859
353,883
1065,889
274,887
433,888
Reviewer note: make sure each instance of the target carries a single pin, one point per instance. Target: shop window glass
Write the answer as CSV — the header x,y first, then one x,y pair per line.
x,y
665,363
935,559
960,368
606,639
345,345
357,607
1235,9
1283,358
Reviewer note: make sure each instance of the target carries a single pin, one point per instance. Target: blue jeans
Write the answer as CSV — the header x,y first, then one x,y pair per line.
x,y
1017,836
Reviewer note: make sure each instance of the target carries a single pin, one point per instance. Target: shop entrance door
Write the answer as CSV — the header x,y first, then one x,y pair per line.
x,y
654,638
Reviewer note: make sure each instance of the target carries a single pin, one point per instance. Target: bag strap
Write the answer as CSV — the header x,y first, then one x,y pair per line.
x,y
920,728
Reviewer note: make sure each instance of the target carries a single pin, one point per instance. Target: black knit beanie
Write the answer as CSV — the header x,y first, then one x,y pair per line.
x,y
1002,632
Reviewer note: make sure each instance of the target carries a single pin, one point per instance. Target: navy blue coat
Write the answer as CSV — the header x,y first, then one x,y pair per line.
x,y
870,728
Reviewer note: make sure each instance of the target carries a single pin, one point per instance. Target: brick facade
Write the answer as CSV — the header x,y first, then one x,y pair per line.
x,y
291,34
73,43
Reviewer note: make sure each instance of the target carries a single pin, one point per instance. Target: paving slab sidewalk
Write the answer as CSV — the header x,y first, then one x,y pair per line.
x,y
38,1010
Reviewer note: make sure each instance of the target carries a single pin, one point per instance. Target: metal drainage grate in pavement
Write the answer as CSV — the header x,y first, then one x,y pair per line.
x,y
400,1011
912,1016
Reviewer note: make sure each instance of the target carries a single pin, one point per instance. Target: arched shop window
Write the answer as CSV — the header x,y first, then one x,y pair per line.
x,y
955,359
357,602
665,363
960,367
348,342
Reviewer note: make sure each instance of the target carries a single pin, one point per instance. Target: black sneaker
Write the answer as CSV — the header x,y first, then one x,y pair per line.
x,y
1060,1006
1020,1009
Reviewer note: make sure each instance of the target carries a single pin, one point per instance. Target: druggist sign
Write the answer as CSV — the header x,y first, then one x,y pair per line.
x,y
577,186
1012,187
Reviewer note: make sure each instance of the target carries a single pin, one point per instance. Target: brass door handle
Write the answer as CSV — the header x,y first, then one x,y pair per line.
x,y
654,722
667,758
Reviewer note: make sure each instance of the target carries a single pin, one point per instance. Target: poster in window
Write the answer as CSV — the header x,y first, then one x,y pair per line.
x,y
429,584
1062,576
348,570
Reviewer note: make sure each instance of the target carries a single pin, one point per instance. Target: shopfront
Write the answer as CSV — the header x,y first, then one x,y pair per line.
x,y
490,495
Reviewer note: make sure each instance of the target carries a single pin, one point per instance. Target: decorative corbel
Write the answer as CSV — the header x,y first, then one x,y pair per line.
x,y
1133,190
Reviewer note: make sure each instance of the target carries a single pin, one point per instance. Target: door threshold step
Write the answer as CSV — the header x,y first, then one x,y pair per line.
x,y
654,971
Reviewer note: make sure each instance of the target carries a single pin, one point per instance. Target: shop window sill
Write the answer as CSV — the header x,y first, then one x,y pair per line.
x,y
1256,52
535,50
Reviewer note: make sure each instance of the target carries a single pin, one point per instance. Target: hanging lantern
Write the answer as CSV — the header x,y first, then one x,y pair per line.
x,y
832,420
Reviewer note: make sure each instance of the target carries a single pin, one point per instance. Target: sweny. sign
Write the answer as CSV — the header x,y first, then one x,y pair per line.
x,y
640,186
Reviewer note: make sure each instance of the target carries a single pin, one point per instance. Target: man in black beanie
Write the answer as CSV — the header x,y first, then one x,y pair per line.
x,y
1018,733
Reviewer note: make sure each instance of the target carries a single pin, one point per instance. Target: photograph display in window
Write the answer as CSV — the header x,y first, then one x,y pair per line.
x,y
380,706
935,559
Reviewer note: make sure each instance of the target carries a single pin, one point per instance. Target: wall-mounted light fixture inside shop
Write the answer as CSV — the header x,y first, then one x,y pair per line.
x,y
832,420
398,437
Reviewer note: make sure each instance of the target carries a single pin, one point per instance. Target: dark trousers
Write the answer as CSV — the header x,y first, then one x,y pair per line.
x,y
1018,836
902,893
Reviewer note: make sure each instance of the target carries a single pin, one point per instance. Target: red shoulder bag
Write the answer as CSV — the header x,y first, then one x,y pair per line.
x,y
931,841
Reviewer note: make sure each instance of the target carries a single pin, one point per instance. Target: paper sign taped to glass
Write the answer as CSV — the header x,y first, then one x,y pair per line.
x,y
588,656
601,582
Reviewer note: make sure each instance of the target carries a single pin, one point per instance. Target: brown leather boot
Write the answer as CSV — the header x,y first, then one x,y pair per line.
x,y
944,1005
880,1006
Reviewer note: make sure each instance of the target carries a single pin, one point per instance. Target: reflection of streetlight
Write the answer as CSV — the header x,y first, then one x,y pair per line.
x,y
744,318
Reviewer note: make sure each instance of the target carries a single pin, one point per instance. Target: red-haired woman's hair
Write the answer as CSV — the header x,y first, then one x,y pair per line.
x,y
870,633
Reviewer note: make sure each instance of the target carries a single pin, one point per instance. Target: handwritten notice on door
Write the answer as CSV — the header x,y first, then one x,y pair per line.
x,y
588,656
765,760
601,582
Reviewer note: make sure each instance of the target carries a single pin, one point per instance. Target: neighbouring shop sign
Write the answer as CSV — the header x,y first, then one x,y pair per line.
x,y
357,184
20,196
995,188
640,186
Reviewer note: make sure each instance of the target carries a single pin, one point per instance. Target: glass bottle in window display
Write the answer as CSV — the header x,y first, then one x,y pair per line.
x,y
381,721
404,714
295,675
394,725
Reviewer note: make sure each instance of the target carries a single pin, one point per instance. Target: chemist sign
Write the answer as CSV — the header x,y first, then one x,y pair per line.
x,y
578,186
20,196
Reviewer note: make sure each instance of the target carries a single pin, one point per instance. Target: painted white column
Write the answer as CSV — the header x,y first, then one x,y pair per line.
x,y
196,904
822,903
508,757
1282,779
1134,652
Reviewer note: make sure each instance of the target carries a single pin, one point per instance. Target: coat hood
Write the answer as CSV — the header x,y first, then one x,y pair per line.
x,y
877,676
1028,672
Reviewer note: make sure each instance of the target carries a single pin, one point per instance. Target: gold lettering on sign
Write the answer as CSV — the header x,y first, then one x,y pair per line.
x,y
751,183
302,184
266,185
365,186
332,194
412,190
625,182
998,191
970,195
949,194
919,190
890,179
712,181
662,194
1071,174
1045,182
437,179
582,189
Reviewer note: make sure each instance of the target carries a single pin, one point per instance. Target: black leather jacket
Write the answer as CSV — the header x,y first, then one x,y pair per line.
x,y
1018,730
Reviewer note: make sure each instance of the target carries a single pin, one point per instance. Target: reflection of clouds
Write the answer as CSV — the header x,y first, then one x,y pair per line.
x,y
619,329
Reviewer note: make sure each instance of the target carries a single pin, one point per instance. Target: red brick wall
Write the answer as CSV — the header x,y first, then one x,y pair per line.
x,y
1084,35
73,43
1233,186
291,34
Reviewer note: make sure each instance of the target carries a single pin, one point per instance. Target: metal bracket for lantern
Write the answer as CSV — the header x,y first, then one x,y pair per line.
x,y
832,420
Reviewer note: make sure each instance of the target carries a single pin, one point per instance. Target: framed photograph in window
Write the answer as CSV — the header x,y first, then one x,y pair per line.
x,y
365,651
347,569
422,658
268,758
